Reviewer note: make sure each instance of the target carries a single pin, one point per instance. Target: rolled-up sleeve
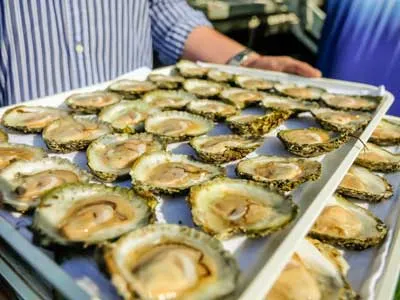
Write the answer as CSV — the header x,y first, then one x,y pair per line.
x,y
171,23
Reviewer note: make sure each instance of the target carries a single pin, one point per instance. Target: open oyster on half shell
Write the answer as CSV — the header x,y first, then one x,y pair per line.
x,y
190,69
387,133
162,99
281,173
310,142
112,155
363,184
92,102
73,133
171,262
131,89
10,153
173,126
349,102
212,109
164,172
224,148
341,121
224,207
23,183
169,82
3,136
219,76
345,224
31,119
202,88
90,214
241,97
378,159
253,83
276,102
300,92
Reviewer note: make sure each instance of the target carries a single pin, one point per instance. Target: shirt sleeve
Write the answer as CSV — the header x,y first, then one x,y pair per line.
x,y
171,23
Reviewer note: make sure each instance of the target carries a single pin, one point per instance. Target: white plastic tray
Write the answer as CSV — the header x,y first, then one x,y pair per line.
x,y
260,260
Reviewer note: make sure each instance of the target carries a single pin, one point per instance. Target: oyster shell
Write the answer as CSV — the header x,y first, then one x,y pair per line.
x,y
202,88
112,155
23,183
219,76
3,136
73,133
256,125
363,184
240,97
349,102
284,103
224,207
348,225
169,82
254,83
168,99
10,153
190,69
378,159
341,121
212,109
92,102
172,126
171,262
164,172
387,133
281,173
31,119
300,92
131,89
90,213
224,148
310,142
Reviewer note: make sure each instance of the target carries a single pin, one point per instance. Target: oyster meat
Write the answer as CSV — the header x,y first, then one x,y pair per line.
x,y
10,153
23,183
224,148
284,103
173,126
241,97
348,102
281,173
112,155
31,119
164,172
345,224
73,133
341,121
171,262
191,70
92,102
90,214
169,82
219,76
131,89
363,184
378,159
300,92
212,109
387,133
253,83
168,99
202,88
3,136
224,207
310,142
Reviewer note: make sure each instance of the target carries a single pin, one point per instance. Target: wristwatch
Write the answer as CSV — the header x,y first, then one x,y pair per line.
x,y
240,58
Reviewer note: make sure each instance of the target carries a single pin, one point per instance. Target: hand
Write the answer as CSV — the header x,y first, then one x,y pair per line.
x,y
282,64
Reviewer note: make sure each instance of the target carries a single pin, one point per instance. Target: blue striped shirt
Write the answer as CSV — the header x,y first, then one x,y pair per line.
x,y
50,46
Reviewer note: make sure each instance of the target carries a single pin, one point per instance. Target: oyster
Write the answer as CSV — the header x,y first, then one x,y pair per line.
x,y
202,88
191,70
112,155
378,159
240,97
281,173
168,99
224,207
3,136
253,83
284,103
131,89
92,102
348,225
387,133
310,142
172,126
10,153
362,184
169,82
23,183
164,172
224,148
73,133
171,262
212,109
301,92
219,76
90,213
341,121
31,119
256,125
348,102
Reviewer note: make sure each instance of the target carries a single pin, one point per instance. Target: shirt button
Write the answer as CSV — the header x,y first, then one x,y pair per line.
x,y
79,48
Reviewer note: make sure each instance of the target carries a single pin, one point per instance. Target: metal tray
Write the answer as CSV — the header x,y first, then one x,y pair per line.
x,y
260,260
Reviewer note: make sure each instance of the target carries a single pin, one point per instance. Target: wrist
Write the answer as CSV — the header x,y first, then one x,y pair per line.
x,y
243,58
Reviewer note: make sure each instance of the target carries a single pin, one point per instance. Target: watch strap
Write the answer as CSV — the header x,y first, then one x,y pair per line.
x,y
239,58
